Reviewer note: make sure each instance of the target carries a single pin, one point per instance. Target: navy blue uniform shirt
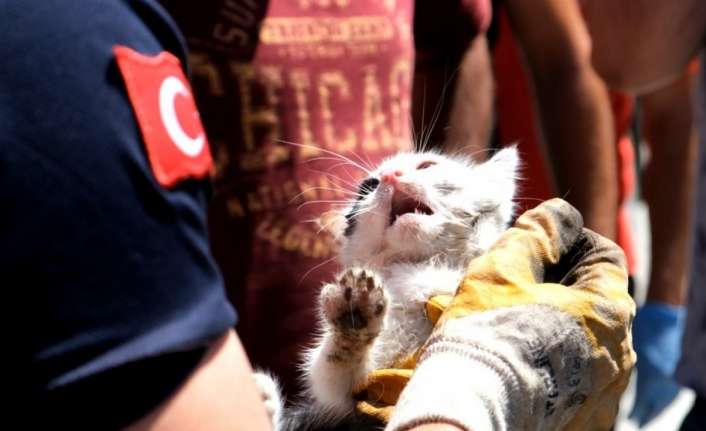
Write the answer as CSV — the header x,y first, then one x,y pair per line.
x,y
109,274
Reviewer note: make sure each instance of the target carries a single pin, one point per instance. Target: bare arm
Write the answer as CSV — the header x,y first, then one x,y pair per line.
x,y
461,91
452,99
669,187
471,116
573,107
219,395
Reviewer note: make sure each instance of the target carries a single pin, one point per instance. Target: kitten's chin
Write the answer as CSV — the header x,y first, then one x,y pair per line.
x,y
411,234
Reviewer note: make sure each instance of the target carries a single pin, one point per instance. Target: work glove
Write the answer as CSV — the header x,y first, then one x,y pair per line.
x,y
657,333
537,336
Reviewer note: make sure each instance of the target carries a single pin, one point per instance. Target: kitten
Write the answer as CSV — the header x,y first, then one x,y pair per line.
x,y
417,222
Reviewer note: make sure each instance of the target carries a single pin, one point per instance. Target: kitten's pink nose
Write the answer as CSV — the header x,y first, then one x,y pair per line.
x,y
390,177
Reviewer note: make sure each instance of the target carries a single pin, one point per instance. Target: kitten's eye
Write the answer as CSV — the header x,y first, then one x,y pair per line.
x,y
425,164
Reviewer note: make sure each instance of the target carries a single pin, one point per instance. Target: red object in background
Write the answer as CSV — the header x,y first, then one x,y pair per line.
x,y
517,125
166,112
623,107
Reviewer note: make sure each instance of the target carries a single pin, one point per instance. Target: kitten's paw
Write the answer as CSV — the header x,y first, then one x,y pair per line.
x,y
356,304
271,398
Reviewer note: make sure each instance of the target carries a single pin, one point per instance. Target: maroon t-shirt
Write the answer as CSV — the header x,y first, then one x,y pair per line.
x,y
328,75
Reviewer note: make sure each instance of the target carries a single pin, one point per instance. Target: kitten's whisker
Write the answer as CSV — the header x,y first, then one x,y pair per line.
x,y
343,162
327,261
352,185
310,189
424,108
324,226
333,153
366,162
331,203
437,110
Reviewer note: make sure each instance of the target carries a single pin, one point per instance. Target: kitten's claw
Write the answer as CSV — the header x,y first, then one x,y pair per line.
x,y
356,305
271,398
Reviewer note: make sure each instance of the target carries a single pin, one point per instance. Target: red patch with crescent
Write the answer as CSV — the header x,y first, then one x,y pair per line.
x,y
164,106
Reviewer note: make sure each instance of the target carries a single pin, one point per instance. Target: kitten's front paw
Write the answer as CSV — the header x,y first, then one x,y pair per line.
x,y
271,398
356,305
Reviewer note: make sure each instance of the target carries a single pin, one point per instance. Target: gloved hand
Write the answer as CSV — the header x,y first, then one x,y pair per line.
x,y
536,337
657,332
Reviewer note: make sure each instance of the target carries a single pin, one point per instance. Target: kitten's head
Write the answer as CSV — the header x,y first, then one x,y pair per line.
x,y
416,206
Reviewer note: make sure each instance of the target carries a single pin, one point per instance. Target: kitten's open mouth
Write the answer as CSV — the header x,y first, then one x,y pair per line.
x,y
404,204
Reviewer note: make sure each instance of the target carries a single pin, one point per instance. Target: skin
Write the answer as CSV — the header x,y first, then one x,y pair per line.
x,y
573,106
669,186
452,96
659,37
471,116
557,47
219,395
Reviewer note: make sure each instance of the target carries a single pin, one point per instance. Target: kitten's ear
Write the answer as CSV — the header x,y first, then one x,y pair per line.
x,y
502,172
333,222
506,160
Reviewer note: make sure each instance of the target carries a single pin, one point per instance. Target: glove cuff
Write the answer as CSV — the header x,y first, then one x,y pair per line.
x,y
458,384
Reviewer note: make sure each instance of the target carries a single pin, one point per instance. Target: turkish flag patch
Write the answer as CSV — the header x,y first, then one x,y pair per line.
x,y
164,105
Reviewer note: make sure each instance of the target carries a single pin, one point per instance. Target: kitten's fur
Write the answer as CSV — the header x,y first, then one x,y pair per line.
x,y
417,222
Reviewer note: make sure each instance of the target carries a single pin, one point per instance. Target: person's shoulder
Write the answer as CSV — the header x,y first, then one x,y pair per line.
x,y
58,31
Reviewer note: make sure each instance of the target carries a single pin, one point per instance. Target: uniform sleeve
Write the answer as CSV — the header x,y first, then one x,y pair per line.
x,y
116,294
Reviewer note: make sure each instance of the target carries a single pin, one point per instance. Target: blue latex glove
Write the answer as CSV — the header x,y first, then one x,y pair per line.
x,y
657,332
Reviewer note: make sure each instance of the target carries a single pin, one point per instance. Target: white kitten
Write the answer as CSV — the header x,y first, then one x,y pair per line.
x,y
417,222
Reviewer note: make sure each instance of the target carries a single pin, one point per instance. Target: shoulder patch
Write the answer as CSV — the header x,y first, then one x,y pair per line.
x,y
166,112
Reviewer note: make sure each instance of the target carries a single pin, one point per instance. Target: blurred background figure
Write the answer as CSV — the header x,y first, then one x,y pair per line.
x,y
650,93
660,39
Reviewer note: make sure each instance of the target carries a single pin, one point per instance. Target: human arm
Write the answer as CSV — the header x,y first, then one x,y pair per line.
x,y
111,267
452,98
219,395
573,107
470,120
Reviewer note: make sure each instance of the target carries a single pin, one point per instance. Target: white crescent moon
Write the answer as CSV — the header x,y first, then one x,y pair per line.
x,y
170,88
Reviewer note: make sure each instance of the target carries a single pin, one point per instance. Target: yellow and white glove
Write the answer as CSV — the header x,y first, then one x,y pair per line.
x,y
537,337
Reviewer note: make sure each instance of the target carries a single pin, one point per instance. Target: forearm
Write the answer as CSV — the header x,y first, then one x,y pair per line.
x,y
578,132
471,117
669,187
432,97
573,107
452,93
219,395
